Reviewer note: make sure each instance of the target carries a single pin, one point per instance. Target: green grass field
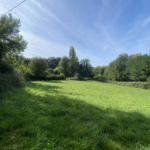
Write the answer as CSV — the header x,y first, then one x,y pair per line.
x,y
81,115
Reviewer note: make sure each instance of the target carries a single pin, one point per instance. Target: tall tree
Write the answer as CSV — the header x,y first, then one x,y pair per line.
x,y
73,61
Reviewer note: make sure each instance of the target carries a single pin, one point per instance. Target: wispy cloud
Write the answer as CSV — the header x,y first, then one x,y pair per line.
x,y
146,21
99,30
50,13
39,46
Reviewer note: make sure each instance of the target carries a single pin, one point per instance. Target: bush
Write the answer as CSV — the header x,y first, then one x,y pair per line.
x,y
62,75
56,71
101,78
55,77
148,79
8,82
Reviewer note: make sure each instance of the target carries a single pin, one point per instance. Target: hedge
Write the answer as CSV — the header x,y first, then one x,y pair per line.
x,y
142,85
55,77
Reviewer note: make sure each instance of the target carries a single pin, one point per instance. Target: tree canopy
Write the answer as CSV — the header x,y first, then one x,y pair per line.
x,y
11,42
38,66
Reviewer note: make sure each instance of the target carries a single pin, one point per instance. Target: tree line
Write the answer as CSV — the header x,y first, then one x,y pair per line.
x,y
69,66
135,67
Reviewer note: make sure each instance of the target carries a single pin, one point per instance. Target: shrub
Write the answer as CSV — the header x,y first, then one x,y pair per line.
x,y
62,75
142,85
55,77
8,82
148,79
5,67
56,71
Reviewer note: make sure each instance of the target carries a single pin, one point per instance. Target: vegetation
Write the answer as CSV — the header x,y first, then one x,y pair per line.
x,y
57,71
53,62
70,115
38,66
75,115
10,81
129,68
142,85
11,46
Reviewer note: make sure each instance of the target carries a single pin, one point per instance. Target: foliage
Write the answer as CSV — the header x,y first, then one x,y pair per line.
x,y
142,85
73,61
10,41
85,68
96,70
53,62
117,68
56,71
138,68
102,70
129,68
148,79
26,60
38,66
5,67
72,115
9,81
63,65
55,77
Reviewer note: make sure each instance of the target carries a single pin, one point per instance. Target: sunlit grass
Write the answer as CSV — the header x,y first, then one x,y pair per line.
x,y
77,115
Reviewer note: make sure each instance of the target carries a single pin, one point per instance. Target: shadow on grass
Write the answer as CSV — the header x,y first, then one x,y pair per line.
x,y
49,88
32,121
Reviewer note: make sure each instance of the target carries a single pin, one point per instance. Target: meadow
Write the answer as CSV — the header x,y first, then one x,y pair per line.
x,y
74,115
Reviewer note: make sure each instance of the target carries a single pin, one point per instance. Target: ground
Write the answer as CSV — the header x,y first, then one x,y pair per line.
x,y
81,115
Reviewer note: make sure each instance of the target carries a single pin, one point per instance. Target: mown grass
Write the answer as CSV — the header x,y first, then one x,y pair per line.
x,y
81,115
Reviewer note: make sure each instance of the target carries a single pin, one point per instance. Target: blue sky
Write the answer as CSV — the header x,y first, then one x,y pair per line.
x,y
99,30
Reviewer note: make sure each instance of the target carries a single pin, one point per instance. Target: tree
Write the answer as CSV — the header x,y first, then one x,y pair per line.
x,y
85,68
53,62
26,60
117,68
96,70
73,61
57,60
11,43
38,66
102,70
63,65
10,40
56,71
106,70
138,68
